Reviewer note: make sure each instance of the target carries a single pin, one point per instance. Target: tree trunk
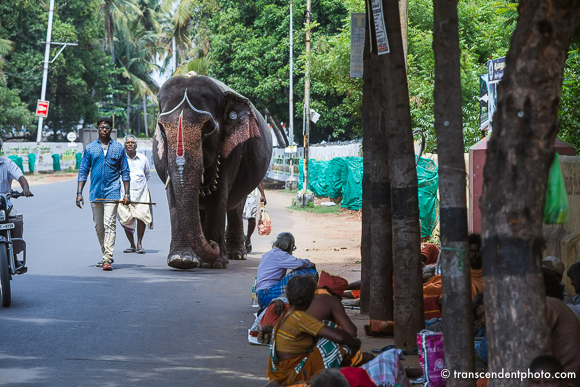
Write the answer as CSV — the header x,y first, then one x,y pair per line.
x,y
145,116
138,119
518,159
381,302
128,131
366,240
409,317
455,265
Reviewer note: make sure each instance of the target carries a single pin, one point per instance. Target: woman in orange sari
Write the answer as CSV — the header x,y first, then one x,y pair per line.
x,y
302,345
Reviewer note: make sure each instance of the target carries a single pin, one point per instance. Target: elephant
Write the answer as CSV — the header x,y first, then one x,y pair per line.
x,y
211,148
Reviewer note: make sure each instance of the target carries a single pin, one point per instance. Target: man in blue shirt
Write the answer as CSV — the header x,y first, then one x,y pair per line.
x,y
105,159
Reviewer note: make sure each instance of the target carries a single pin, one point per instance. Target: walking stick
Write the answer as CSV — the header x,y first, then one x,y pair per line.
x,y
120,201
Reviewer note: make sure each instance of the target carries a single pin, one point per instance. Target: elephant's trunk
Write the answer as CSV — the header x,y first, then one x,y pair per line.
x,y
187,200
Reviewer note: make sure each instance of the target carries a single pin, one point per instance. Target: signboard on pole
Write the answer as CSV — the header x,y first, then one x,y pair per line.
x,y
495,69
357,44
380,29
42,108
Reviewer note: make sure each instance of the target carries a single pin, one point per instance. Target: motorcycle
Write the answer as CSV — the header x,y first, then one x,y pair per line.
x,y
9,264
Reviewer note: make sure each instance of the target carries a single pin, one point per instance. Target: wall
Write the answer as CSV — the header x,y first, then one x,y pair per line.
x,y
67,151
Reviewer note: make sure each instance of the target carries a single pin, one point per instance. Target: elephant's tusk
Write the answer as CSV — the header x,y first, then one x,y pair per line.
x,y
201,177
167,182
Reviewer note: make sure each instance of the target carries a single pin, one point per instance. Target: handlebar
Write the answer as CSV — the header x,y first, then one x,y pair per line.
x,y
15,194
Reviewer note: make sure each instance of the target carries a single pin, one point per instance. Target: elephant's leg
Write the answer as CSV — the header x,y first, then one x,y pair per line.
x,y
181,255
235,234
213,221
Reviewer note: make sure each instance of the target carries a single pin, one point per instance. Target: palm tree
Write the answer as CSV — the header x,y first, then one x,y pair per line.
x,y
184,24
111,11
137,49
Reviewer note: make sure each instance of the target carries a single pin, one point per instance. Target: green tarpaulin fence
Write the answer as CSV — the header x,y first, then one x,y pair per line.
x,y
342,177
18,161
352,190
428,178
31,161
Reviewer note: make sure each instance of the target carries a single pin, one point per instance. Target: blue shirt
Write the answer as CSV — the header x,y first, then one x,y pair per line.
x,y
273,266
105,170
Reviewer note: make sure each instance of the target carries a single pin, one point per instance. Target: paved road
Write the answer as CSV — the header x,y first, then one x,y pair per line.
x,y
143,324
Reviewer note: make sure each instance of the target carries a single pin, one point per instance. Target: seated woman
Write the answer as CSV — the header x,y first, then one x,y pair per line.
x,y
302,345
272,277
325,306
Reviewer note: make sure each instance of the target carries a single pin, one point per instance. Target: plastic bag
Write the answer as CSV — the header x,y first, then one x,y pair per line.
x,y
556,208
431,357
264,222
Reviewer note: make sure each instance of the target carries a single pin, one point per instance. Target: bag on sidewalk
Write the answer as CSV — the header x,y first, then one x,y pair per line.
x,y
431,357
264,222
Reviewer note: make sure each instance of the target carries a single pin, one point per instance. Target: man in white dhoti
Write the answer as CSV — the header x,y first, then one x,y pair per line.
x,y
251,212
132,215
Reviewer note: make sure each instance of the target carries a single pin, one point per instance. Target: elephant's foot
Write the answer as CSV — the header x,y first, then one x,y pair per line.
x,y
237,255
220,263
184,259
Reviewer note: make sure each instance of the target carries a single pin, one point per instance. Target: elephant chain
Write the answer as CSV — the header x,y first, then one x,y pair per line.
x,y
206,190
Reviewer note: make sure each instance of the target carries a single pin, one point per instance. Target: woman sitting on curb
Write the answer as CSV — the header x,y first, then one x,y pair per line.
x,y
302,345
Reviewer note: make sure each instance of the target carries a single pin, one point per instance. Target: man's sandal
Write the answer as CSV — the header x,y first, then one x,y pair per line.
x,y
129,250
100,263
140,250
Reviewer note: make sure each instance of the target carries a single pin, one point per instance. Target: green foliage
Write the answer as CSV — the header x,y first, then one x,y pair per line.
x,y
569,114
482,32
250,52
13,113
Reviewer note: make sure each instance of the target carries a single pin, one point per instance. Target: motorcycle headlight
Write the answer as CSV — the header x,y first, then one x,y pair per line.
x,y
2,215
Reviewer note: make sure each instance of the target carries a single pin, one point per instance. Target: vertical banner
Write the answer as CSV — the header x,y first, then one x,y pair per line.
x,y
380,30
357,43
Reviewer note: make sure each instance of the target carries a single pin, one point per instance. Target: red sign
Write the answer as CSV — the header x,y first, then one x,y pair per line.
x,y
42,108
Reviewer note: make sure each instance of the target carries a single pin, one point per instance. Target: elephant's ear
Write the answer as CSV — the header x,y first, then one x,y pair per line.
x,y
241,122
160,152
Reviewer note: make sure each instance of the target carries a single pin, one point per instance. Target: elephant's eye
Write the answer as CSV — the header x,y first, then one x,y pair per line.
x,y
233,115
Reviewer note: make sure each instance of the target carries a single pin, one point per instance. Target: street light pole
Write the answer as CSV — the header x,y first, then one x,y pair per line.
x,y
44,81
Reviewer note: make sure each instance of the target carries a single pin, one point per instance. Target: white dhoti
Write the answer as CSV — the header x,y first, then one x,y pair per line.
x,y
251,206
128,214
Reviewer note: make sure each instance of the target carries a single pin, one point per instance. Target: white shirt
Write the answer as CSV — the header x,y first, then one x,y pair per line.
x,y
140,173
8,171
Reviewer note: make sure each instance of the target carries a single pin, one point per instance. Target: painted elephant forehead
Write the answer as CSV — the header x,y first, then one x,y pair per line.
x,y
183,134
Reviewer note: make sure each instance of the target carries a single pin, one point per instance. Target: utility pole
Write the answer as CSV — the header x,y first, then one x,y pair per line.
x,y
291,107
44,81
307,97
45,77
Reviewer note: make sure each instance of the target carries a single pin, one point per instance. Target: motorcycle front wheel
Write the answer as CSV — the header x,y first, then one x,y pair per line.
x,y
4,276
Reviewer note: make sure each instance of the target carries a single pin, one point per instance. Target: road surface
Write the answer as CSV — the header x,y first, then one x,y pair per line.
x,y
143,324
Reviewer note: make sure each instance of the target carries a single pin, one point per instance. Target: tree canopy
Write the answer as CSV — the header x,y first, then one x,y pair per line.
x,y
244,44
